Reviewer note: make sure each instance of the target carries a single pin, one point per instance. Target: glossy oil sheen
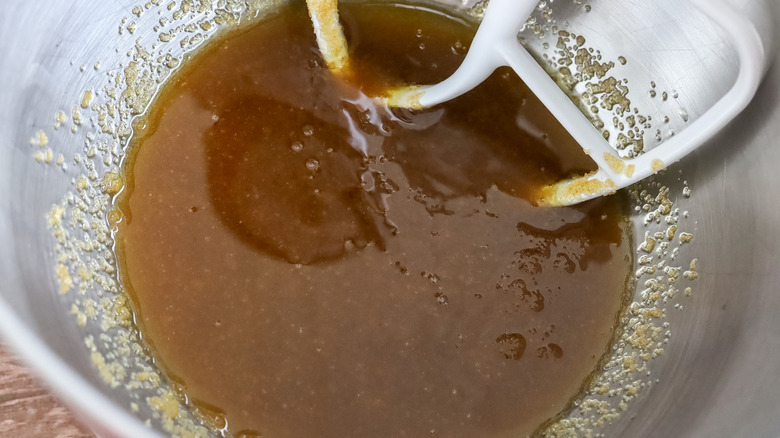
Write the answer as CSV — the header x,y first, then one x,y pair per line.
x,y
305,262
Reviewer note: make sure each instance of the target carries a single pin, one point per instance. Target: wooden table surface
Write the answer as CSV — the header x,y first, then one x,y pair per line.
x,y
28,409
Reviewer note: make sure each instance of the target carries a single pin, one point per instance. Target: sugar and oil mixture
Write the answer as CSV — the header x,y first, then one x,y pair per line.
x,y
304,261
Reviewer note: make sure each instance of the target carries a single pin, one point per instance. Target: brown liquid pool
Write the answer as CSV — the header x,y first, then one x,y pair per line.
x,y
305,262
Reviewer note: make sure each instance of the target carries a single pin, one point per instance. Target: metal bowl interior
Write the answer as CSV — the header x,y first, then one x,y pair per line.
x,y
717,376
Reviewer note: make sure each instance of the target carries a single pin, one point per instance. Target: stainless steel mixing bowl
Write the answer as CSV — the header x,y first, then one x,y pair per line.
x,y
718,374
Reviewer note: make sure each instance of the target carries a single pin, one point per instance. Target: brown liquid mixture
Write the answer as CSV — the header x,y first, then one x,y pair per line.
x,y
305,262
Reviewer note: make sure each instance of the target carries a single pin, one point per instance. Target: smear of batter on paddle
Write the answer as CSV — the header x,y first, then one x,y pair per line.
x,y
305,262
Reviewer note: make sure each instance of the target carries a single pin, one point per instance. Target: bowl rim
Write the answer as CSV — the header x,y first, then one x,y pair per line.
x,y
101,414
